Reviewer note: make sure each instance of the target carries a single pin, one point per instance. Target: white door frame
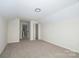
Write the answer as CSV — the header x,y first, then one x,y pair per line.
x,y
35,31
32,30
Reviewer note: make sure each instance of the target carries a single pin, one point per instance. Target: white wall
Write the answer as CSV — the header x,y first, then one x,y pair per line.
x,y
31,30
62,28
3,34
13,30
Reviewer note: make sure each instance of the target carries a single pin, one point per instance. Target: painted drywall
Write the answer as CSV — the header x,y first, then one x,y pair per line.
x,y
26,8
13,30
32,30
3,34
62,28
8,8
28,28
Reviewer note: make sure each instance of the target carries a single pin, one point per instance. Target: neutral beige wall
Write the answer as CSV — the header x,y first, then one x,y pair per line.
x,y
3,32
62,28
13,30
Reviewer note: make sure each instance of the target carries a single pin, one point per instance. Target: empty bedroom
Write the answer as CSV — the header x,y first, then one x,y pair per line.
x,y
39,28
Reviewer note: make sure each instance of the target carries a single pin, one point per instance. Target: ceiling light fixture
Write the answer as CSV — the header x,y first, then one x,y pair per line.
x,y
37,10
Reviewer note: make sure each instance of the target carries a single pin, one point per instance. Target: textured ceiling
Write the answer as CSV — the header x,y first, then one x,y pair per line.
x,y
26,8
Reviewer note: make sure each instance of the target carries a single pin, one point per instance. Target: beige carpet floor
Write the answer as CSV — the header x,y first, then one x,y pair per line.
x,y
36,49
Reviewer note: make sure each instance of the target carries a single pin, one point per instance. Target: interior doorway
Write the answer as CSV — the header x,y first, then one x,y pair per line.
x,y
29,30
37,33
24,31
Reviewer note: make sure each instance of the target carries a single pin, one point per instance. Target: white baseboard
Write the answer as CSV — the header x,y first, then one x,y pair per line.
x,y
13,42
62,46
2,49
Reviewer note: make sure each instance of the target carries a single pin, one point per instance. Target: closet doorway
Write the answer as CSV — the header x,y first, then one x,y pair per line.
x,y
37,33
